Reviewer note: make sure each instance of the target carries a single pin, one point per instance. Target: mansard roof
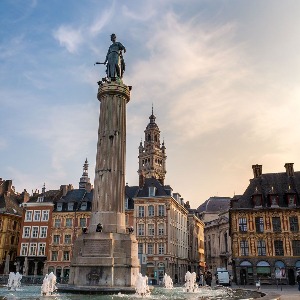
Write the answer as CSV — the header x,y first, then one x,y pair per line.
x,y
77,195
215,204
153,182
280,184
48,196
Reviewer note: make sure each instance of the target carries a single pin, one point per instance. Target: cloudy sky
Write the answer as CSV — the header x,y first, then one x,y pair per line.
x,y
223,77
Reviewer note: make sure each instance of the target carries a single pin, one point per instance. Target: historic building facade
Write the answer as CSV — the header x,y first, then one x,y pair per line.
x,y
36,232
70,218
170,238
264,227
10,225
214,212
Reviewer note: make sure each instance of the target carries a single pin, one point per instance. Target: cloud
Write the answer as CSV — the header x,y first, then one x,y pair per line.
x,y
69,37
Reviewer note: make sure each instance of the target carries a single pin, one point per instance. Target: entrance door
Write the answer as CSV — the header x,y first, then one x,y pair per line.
x,y
243,277
291,276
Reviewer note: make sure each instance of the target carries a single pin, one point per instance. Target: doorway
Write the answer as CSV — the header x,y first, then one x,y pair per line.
x,y
291,276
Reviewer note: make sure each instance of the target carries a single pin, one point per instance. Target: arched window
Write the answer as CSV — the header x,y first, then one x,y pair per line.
x,y
263,269
149,137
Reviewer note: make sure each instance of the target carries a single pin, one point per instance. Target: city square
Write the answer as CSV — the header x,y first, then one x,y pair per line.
x,y
117,234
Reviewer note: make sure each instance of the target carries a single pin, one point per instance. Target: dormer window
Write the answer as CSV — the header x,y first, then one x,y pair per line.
x,y
274,200
291,200
83,206
152,190
257,200
59,206
70,206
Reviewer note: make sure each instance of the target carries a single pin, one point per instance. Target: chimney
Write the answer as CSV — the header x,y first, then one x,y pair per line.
x,y
289,167
257,170
64,189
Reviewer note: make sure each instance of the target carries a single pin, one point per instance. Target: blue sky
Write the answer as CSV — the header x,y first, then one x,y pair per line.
x,y
223,77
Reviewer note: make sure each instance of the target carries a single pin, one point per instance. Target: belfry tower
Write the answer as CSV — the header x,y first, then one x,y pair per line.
x,y
84,180
152,156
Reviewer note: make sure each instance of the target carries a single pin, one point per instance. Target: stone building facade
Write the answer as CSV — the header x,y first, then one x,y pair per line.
x,y
10,225
36,232
214,213
70,218
170,236
264,227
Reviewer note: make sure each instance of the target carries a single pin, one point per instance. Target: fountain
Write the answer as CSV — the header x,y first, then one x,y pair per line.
x,y
141,286
190,282
14,281
168,282
49,285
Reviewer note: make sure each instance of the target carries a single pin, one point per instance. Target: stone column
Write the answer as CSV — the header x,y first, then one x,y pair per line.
x,y
109,186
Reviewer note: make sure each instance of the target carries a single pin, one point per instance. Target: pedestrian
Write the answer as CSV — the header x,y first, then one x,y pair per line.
x,y
298,281
201,283
208,278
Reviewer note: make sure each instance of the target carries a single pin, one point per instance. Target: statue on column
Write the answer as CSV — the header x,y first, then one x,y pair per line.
x,y
114,61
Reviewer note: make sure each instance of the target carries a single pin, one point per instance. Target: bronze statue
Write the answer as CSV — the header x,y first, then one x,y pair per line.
x,y
115,65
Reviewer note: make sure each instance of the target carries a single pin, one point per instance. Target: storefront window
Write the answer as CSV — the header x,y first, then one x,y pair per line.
x,y
263,270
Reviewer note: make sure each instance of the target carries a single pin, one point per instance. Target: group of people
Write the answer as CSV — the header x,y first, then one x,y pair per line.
x,y
204,279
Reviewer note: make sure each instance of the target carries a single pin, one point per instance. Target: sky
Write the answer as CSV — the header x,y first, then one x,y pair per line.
x,y
222,76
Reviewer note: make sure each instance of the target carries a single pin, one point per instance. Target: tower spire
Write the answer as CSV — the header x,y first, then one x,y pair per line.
x,y
152,157
85,176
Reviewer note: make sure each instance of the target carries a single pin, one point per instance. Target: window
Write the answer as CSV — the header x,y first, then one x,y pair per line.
x,y
160,229
83,206
141,211
294,226
24,249
68,222
68,239
274,200
37,215
150,229
259,224
43,232
35,232
28,216
161,248
126,202
152,190
66,255
32,249
261,247
59,206
278,246
26,232
150,210
161,210
56,238
150,248
291,200
140,229
140,248
45,215
276,224
57,223
82,222
296,247
257,200
54,255
243,224
41,249
244,248
70,206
